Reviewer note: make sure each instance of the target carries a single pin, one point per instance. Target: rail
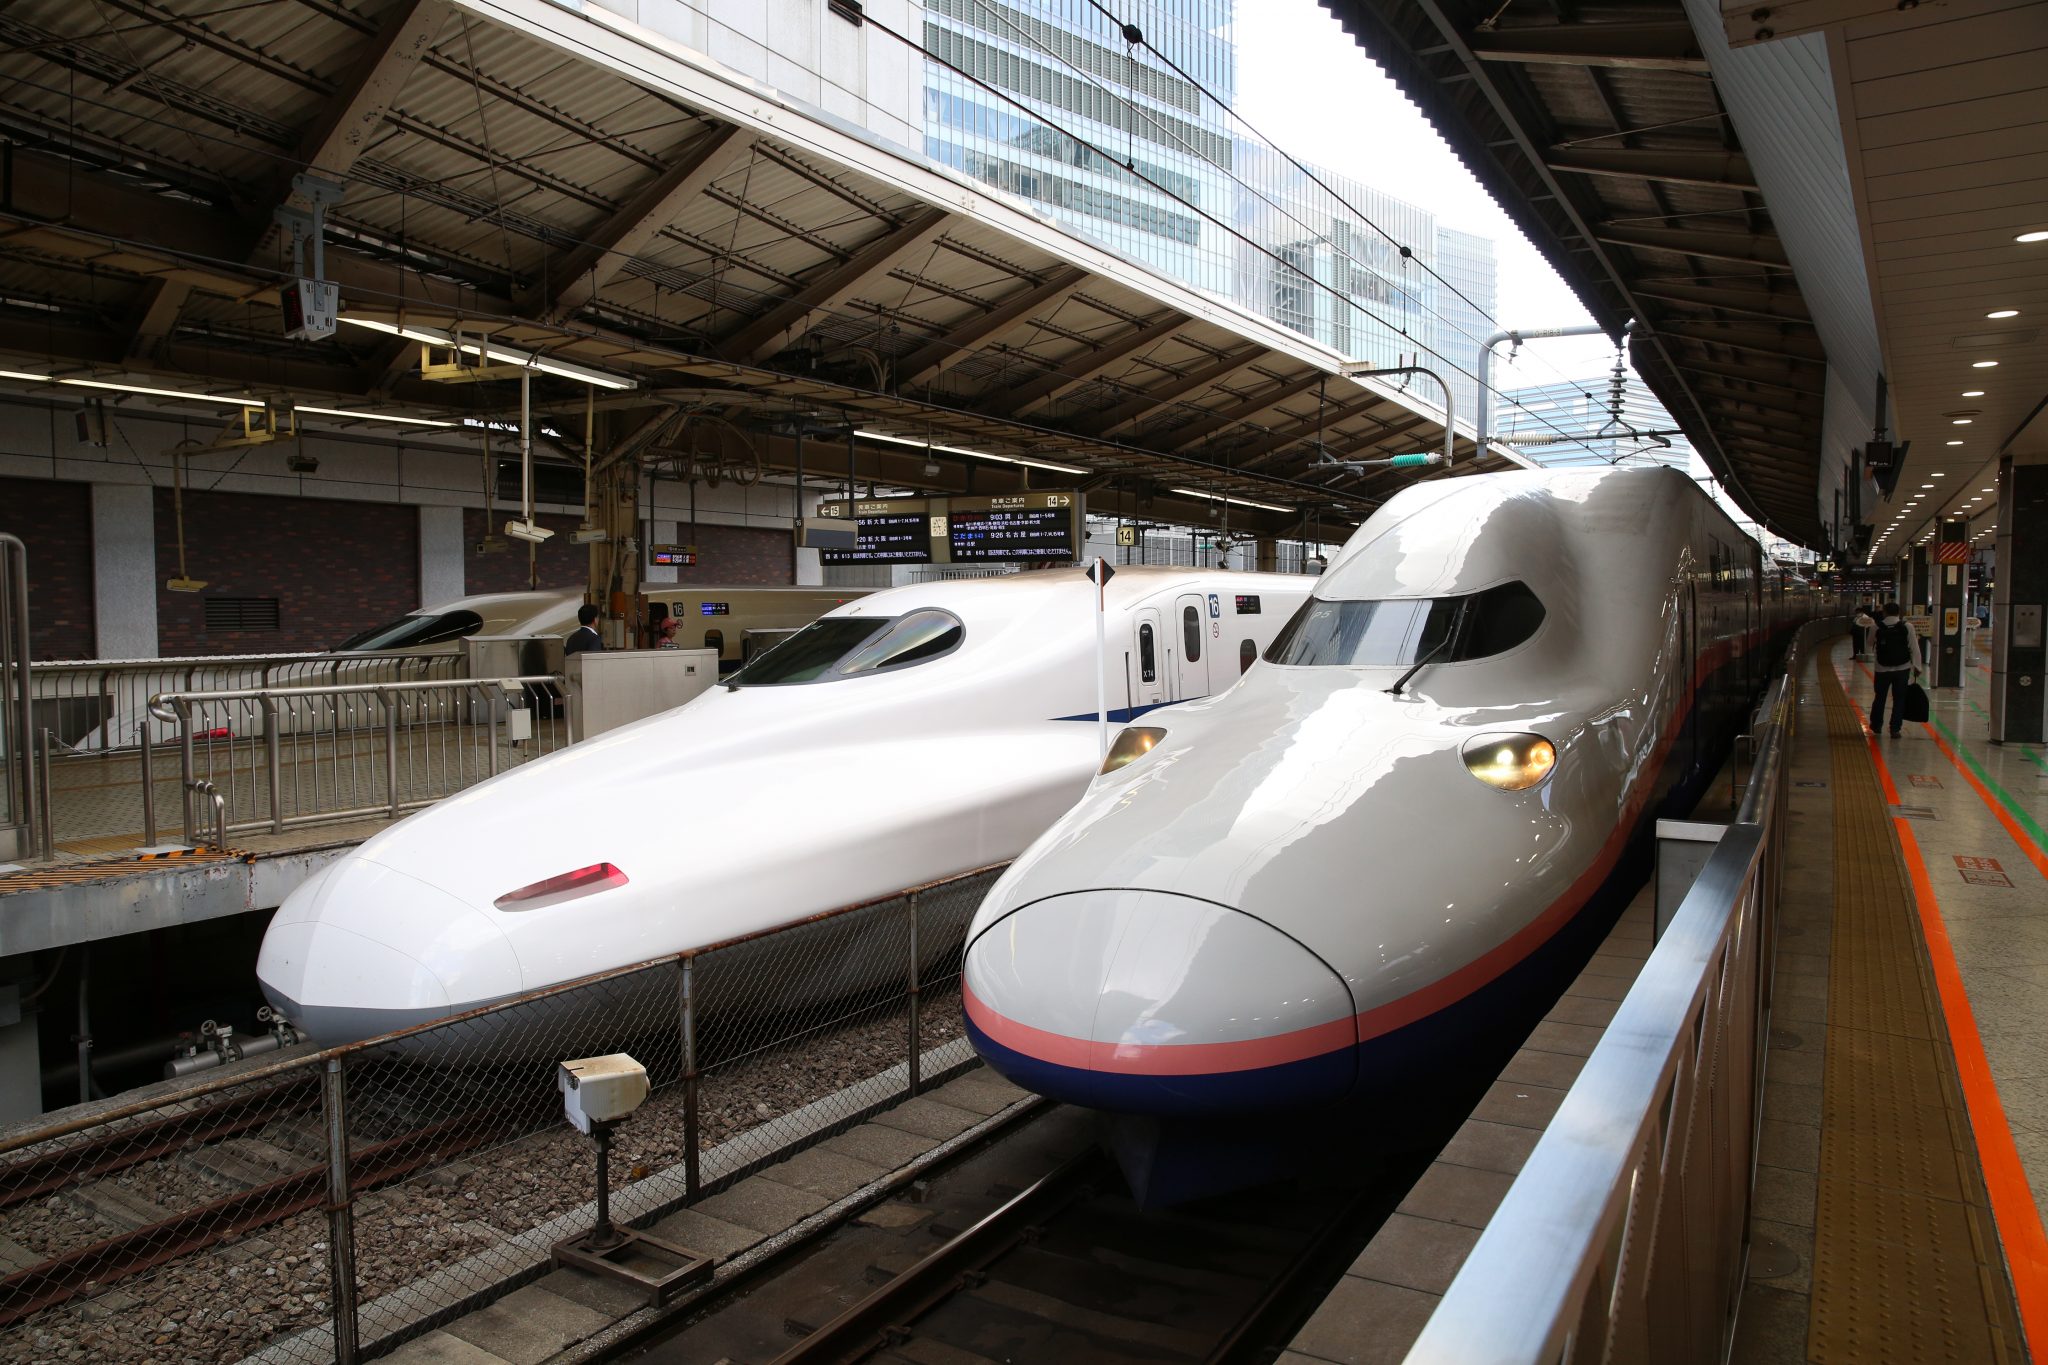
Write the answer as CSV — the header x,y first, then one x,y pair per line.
x,y
397,1182
277,758
1626,1233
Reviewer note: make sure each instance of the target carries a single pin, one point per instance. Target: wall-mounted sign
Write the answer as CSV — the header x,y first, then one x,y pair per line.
x,y
671,556
886,538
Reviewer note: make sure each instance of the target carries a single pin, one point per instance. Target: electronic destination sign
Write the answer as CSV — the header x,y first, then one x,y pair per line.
x,y
1018,526
886,538
977,530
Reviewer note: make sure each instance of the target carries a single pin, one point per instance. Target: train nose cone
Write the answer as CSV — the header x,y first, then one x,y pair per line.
x,y
1144,1002
364,949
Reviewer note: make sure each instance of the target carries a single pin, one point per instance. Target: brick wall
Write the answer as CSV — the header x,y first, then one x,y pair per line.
x,y
562,564
55,521
735,554
335,568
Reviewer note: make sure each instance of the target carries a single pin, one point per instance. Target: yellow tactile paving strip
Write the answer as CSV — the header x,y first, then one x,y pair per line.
x,y
1906,1264
72,874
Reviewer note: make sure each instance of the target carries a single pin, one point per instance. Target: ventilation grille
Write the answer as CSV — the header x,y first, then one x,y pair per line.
x,y
241,613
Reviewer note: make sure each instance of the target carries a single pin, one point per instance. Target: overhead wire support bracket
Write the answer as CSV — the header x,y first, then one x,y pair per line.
x,y
1367,371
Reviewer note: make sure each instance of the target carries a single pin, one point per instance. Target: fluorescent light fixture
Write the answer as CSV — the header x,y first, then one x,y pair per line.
x,y
1962,421
1983,364
2032,237
2003,313
1955,443
1219,497
133,388
1973,393
973,454
376,416
1925,486
524,359
1984,490
1937,474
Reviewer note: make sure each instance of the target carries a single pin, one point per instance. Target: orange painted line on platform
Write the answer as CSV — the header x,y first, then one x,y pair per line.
x,y
2029,848
2005,1179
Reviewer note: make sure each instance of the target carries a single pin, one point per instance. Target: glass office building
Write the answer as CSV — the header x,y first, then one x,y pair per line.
x,y
1045,99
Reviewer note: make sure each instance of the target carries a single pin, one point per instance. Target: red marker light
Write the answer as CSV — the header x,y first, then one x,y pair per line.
x,y
568,886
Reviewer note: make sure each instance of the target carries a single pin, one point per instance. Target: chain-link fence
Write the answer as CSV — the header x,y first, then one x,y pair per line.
x,y
217,1225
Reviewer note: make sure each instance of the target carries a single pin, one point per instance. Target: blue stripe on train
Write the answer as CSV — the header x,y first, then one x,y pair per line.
x,y
1123,713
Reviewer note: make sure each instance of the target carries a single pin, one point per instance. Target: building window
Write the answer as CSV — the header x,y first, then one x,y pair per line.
x,y
241,614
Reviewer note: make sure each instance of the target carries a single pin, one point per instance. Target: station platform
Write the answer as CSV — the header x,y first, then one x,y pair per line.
x,y
1902,1179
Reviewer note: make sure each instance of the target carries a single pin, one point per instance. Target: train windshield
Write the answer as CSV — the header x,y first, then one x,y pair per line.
x,y
849,646
1396,632
411,632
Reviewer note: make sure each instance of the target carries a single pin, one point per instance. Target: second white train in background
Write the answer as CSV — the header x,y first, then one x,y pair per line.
x,y
904,737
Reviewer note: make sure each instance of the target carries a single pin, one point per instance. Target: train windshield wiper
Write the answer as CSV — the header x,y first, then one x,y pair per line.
x,y
1415,668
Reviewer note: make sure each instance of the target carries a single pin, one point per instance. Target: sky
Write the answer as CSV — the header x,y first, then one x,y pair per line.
x,y
1293,60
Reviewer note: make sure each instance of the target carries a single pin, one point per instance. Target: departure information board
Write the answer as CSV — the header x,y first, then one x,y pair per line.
x,y
886,538
976,530
1012,533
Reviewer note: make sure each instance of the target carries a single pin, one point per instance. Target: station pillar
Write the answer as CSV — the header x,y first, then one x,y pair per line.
x,y
1951,582
1266,554
1916,577
2019,597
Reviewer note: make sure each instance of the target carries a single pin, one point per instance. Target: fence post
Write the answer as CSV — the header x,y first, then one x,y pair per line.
x,y
341,1240
273,762
915,1003
48,811
148,784
390,751
187,764
687,988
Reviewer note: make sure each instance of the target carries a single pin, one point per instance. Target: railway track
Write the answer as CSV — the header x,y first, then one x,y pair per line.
x,y
1066,1267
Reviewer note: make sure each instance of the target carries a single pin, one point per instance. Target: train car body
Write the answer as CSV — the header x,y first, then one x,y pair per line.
x,y
904,737
1395,837
712,616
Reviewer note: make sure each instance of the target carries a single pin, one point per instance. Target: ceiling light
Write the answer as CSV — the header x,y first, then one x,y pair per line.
x,y
980,454
1973,393
1926,485
1962,421
492,351
1983,364
1218,497
2032,237
2003,313
1985,490
375,416
1937,474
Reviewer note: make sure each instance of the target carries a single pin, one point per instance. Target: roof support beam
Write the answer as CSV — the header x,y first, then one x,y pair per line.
x,y
1199,430
1667,45
1777,379
1163,396
588,267
1744,248
1713,170
1769,401
1756,303
1092,362
350,117
1301,429
934,358
779,328
1745,336
161,301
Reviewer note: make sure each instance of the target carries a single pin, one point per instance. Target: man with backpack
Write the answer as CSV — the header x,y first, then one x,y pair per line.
x,y
1897,646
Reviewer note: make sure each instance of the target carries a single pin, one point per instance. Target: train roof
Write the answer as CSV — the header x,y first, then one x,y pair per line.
x,y
1128,584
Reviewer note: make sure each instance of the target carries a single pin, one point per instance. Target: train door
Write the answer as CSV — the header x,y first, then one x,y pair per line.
x,y
1146,673
1191,663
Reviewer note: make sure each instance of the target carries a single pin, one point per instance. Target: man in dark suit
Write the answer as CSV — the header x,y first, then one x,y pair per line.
x,y
585,635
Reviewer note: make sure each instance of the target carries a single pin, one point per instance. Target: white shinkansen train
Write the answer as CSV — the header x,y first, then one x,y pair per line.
x,y
909,735
1392,842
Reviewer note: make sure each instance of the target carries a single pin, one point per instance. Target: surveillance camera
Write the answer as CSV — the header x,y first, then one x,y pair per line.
x,y
299,463
528,530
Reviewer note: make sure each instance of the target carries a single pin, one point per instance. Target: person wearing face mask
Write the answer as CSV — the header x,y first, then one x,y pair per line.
x,y
1897,646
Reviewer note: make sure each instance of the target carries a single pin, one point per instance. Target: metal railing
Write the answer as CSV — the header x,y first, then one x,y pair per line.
x,y
332,1205
19,836
1626,1233
275,758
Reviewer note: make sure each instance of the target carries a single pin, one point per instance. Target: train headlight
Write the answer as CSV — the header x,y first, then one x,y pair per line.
x,y
1133,742
1510,762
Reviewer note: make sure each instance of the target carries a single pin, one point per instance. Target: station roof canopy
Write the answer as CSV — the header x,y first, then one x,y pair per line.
x,y
551,185
1598,127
